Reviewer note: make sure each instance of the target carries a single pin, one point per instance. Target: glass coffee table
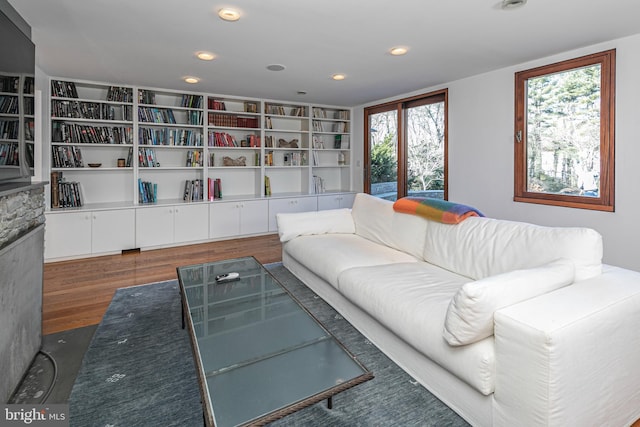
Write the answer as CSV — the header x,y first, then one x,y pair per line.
x,y
260,355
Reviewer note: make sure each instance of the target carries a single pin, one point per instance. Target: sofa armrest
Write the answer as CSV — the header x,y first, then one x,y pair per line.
x,y
291,225
572,356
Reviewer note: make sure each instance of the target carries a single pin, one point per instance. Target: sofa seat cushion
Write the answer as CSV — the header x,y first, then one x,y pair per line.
x,y
411,299
327,255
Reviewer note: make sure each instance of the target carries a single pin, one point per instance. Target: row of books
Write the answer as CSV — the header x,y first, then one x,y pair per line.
x,y
166,115
74,133
90,110
9,84
66,156
295,158
9,154
215,188
120,94
148,97
29,106
279,110
29,86
147,158
9,128
168,136
341,142
156,115
320,113
147,192
233,121
194,159
223,139
63,89
318,184
9,104
64,194
214,104
340,127
193,190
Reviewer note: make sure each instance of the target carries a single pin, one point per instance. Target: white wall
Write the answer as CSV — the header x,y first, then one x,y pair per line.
x,y
481,117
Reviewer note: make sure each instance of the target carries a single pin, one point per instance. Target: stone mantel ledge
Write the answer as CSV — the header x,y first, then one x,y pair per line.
x,y
16,187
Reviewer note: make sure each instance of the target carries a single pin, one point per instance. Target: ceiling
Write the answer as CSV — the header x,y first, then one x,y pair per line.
x,y
152,42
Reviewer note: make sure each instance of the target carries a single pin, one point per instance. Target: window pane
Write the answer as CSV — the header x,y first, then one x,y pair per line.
x,y
384,155
425,150
563,132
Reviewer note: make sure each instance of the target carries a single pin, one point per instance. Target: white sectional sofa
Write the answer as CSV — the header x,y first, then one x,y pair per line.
x,y
509,324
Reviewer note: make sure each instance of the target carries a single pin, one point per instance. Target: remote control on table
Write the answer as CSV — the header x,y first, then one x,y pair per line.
x,y
228,277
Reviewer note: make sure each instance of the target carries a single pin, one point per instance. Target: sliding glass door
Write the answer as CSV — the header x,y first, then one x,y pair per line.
x,y
407,147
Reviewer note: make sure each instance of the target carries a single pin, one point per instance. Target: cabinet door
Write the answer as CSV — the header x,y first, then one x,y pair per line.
x,y
191,223
154,226
224,219
67,234
112,230
336,201
254,217
297,204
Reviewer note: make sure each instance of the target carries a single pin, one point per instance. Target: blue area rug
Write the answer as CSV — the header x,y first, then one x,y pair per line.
x,y
139,370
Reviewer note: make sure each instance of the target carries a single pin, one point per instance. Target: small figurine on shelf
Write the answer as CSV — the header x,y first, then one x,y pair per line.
x,y
284,144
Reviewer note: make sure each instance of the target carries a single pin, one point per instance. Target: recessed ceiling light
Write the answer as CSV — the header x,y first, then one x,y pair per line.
x,y
399,50
275,67
338,76
512,4
228,14
191,79
205,56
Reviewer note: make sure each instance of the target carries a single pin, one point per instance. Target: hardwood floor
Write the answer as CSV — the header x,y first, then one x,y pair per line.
x,y
77,293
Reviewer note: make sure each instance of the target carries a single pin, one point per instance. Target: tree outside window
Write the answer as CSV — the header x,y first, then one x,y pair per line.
x,y
565,133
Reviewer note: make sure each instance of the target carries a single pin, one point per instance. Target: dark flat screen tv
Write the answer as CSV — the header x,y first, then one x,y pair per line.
x,y
17,71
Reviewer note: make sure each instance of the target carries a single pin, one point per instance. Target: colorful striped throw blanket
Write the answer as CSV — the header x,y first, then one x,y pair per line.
x,y
435,209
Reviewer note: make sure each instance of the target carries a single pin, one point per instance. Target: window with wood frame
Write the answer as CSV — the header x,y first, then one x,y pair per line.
x,y
564,133
406,153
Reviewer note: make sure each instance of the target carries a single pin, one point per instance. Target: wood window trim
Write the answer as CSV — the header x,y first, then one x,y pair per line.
x,y
400,106
605,201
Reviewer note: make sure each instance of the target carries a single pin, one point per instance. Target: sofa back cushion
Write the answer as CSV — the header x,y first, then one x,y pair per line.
x,y
483,247
376,220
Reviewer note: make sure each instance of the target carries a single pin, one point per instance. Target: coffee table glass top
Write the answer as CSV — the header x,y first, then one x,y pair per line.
x,y
260,354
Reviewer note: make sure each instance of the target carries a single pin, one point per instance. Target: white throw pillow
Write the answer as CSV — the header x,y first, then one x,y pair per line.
x,y
291,225
470,314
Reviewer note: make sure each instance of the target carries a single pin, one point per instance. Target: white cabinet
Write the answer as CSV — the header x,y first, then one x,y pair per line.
x,y
67,234
72,234
191,223
335,201
229,219
165,225
290,205
112,230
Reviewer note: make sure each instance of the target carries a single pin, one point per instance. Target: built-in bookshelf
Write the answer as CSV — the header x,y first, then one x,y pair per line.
x,y
16,119
91,137
126,145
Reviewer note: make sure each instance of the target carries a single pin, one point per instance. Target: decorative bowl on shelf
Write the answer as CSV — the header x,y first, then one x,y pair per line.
x,y
95,165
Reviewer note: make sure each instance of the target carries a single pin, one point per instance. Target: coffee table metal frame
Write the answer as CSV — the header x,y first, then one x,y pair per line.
x,y
325,394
